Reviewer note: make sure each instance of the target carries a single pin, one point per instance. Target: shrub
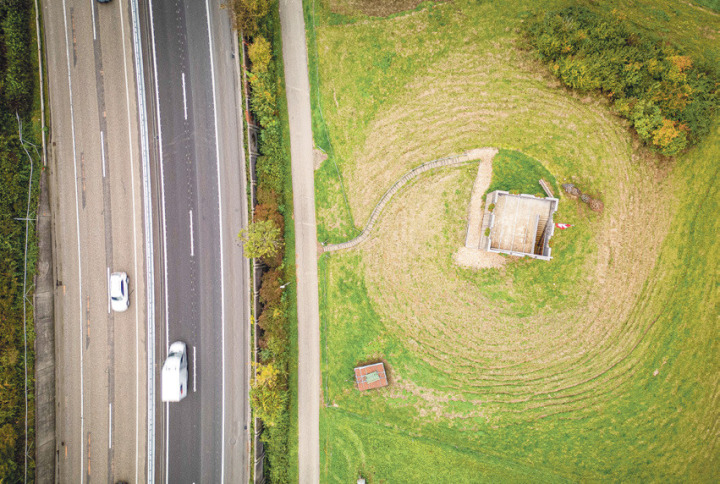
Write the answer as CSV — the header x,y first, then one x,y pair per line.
x,y
270,172
275,348
266,196
276,449
491,207
668,99
260,54
247,14
263,100
269,211
270,287
262,239
487,232
267,394
273,318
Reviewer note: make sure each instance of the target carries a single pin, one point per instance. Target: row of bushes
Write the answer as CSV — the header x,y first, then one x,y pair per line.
x,y
270,395
16,96
668,98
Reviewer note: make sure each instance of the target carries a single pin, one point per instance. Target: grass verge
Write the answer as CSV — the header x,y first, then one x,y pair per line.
x,y
291,289
597,365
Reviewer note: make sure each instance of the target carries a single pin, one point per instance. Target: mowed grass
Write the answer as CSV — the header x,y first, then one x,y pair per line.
x,y
515,171
597,365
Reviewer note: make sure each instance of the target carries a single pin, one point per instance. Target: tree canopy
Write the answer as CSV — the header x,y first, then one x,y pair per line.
x,y
668,99
261,239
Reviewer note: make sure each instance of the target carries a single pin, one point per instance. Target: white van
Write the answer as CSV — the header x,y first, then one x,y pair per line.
x,y
175,373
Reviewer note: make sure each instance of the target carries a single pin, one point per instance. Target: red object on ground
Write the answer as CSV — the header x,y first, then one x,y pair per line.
x,y
563,226
370,376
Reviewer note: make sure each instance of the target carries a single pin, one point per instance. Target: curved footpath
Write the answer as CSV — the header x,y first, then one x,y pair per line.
x,y
470,156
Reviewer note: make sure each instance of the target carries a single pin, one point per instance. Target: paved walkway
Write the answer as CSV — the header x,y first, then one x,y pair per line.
x,y
301,153
479,154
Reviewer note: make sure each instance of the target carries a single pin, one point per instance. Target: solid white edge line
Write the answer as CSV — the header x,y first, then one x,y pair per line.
x,y
108,289
192,237
167,437
92,6
194,369
135,258
102,150
164,224
184,96
222,261
77,221
110,426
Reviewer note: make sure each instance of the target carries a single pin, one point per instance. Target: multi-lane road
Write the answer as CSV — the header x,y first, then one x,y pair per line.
x,y
106,189
95,185
202,194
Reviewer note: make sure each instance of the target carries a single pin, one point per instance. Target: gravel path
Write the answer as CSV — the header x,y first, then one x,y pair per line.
x,y
301,154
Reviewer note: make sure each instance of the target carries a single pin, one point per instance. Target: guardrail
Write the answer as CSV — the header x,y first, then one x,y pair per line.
x,y
258,454
149,255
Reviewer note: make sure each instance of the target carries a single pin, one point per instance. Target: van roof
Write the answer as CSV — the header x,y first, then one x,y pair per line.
x,y
171,379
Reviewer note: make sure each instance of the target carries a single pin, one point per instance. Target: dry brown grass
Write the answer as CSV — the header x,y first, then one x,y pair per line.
x,y
448,111
555,356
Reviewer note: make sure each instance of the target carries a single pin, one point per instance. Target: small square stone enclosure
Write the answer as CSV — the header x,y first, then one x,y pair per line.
x,y
370,376
520,225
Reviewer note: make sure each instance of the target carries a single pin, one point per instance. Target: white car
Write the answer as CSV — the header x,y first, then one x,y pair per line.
x,y
119,291
175,373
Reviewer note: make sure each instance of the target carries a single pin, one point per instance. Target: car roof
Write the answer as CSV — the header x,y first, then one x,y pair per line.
x,y
116,283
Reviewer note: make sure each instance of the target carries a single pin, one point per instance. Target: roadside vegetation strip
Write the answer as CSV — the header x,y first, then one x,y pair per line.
x,y
19,189
269,239
567,364
442,162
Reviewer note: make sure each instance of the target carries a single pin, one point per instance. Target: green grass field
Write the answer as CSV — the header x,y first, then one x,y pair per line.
x,y
600,364
513,170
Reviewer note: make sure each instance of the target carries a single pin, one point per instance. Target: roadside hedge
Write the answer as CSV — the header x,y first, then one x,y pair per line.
x,y
16,96
270,395
668,97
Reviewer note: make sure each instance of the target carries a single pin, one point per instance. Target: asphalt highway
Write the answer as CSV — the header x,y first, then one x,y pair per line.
x,y
201,288
97,220
202,207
